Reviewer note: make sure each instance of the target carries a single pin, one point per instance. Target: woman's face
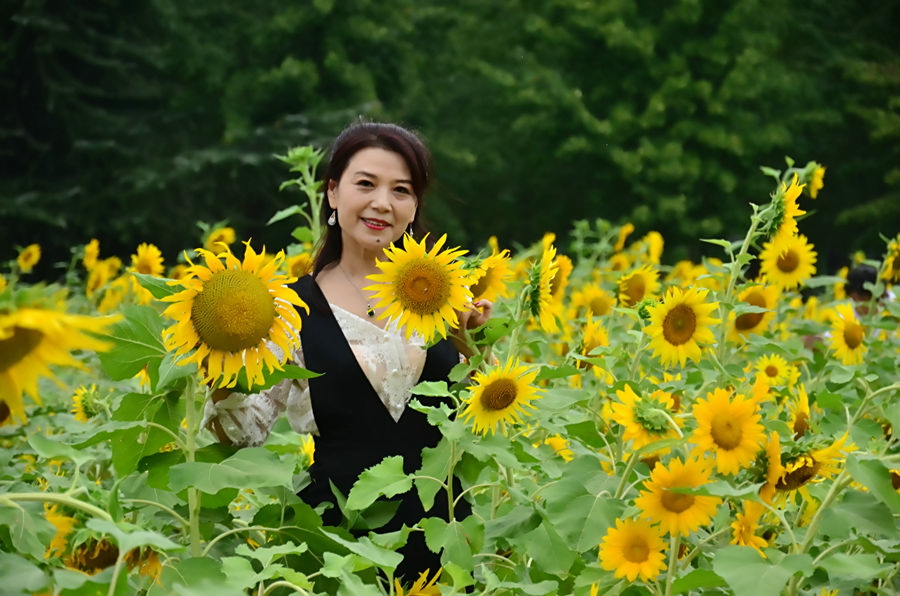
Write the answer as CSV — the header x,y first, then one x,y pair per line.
x,y
374,199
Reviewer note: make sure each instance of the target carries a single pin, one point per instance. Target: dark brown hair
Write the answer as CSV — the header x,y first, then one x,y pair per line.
x,y
363,135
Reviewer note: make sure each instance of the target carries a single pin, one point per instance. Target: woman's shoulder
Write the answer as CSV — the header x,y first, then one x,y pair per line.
x,y
309,291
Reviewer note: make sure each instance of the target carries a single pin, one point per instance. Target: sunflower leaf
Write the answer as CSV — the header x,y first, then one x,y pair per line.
x,y
873,474
385,478
288,371
137,342
748,574
158,286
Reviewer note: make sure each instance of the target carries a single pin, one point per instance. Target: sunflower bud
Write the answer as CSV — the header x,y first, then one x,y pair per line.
x,y
643,308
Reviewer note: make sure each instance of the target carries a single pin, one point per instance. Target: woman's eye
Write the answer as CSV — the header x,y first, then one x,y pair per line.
x,y
403,190
366,183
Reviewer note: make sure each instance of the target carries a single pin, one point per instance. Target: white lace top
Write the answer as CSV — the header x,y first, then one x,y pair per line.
x,y
390,362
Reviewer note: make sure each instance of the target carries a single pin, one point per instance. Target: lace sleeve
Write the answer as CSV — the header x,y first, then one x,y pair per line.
x,y
246,419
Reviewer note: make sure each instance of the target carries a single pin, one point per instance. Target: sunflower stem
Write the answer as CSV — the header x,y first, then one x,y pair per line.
x,y
190,448
66,499
734,271
623,482
674,545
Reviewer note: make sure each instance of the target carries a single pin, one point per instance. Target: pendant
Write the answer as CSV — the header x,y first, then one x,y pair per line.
x,y
370,311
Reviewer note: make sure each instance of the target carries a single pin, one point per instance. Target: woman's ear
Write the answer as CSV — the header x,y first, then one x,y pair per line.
x,y
329,192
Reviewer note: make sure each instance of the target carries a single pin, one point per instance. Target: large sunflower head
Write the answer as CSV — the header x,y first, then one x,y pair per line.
x,y
813,465
147,260
500,396
420,289
788,261
680,325
678,511
229,311
645,420
760,296
633,549
728,427
637,285
495,273
33,339
847,335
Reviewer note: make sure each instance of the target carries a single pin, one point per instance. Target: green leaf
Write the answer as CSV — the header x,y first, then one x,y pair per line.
x,y
286,212
749,574
873,474
137,342
288,371
854,567
200,576
369,551
556,372
385,478
27,531
268,554
432,389
251,467
20,575
698,578
49,449
128,536
435,464
158,286
458,539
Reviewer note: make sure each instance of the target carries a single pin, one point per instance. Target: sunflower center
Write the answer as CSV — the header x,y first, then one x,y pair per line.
x,y
725,431
636,551
853,335
482,284
788,261
15,348
771,371
423,287
679,325
499,394
599,306
676,502
635,288
234,311
800,475
4,412
750,320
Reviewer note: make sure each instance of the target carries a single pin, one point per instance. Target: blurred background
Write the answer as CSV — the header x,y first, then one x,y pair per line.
x,y
132,121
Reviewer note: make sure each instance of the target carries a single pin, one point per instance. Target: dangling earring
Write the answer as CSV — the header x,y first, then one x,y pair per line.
x,y
409,230
332,219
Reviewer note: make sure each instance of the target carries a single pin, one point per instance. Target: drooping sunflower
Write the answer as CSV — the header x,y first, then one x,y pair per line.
x,y
814,466
147,260
145,560
645,420
93,556
495,274
637,285
847,335
774,369
788,261
680,325
29,257
64,526
633,549
790,211
539,290
773,470
817,182
593,300
728,426
33,339
219,240
761,296
421,587
229,312
746,525
500,396
678,512
82,403
420,289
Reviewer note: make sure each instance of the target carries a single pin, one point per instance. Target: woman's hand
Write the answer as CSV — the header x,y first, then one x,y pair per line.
x,y
476,315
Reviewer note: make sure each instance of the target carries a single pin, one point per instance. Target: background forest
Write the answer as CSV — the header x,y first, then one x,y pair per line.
x,y
132,121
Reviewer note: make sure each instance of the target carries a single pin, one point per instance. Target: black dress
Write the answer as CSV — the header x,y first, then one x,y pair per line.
x,y
356,431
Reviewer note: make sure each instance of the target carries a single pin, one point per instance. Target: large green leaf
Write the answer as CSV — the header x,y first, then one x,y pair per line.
x,y
859,567
137,342
749,574
385,478
158,286
20,576
251,467
873,474
458,539
435,465
129,536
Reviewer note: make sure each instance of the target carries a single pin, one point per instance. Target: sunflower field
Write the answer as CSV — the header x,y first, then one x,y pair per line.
x,y
623,426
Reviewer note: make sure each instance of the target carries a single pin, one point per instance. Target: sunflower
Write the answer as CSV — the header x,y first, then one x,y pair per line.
x,y
82,403
788,261
3,284
624,232
633,548
847,335
593,337
308,448
494,275
539,291
560,281
421,587
421,289
93,556
147,260
91,254
230,311
96,281
500,396
728,427
761,296
813,466
645,420
560,446
6,418
790,211
680,324
593,300
219,240
772,467
29,257
745,526
799,411
146,561
774,369
817,182
31,339
637,285
677,512
64,526
299,265
890,268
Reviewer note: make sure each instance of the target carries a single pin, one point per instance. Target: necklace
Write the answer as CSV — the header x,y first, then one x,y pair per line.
x,y
370,312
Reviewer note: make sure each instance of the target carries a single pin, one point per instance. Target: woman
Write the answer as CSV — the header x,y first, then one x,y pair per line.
x,y
358,409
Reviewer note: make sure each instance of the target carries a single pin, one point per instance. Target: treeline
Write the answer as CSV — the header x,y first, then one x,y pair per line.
x,y
132,121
